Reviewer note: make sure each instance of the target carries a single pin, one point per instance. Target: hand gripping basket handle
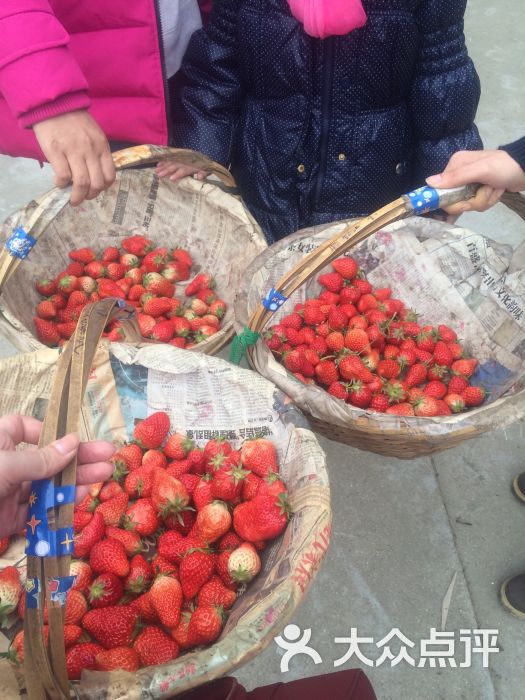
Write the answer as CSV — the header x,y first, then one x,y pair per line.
x,y
51,502
27,233
420,201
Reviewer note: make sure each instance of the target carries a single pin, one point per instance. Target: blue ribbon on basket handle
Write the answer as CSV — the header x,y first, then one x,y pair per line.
x,y
426,198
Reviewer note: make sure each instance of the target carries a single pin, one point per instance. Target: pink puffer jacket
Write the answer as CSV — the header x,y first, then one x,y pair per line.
x,y
60,55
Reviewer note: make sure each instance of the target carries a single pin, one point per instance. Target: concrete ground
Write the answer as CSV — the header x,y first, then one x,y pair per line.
x,y
403,530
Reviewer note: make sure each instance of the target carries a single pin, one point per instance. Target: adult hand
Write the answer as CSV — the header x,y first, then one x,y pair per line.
x,y
19,467
497,171
78,152
175,171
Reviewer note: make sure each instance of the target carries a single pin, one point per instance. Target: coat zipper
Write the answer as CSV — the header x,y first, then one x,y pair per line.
x,y
326,112
167,104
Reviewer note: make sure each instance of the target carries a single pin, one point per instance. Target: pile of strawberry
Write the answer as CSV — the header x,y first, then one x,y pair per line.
x,y
162,551
366,348
142,275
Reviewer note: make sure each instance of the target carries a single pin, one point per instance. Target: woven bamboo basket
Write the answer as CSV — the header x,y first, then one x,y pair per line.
x,y
87,368
206,217
384,434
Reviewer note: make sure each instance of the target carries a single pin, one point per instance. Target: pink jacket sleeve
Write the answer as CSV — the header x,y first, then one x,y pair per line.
x,y
39,76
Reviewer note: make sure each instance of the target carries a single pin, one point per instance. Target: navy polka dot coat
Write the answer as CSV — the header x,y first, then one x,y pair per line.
x,y
319,130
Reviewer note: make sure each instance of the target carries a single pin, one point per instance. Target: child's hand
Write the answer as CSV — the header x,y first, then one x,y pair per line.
x,y
495,170
175,171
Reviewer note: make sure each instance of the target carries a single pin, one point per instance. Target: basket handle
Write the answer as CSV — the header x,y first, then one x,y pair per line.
x,y
417,202
26,234
51,508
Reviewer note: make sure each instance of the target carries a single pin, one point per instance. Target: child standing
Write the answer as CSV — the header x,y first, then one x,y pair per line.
x,y
327,109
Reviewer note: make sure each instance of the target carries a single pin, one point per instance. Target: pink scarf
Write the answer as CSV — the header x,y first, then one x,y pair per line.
x,y
322,18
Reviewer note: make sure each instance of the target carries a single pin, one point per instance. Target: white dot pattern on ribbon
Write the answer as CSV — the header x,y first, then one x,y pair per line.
x,y
42,548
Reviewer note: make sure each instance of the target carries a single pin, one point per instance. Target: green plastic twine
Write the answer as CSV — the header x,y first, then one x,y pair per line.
x,y
241,343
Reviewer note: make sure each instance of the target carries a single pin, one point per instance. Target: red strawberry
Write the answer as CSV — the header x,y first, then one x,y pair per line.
x,y
178,446
352,367
201,281
154,459
457,384
446,334
183,521
243,563
109,490
105,590
181,255
163,331
455,402
388,369
396,391
422,355
216,446
401,409
346,267
416,375
82,255
426,406
436,389
227,483
45,286
425,340
129,539
326,372
214,592
140,575
46,309
442,354
96,269
213,521
379,403
113,509
142,517
156,307
134,274
110,254
262,518
359,394
168,495
473,395
81,656
203,493
229,541
129,458
83,575
166,598
338,390
178,468
146,324
144,607
196,568
120,658
155,260
154,647
46,332
135,292
92,533
357,340
465,368
205,624
335,341
109,555
76,607
438,373
152,431
260,456
112,626
10,592
137,245
158,285
115,271
75,268
108,289
218,308
332,281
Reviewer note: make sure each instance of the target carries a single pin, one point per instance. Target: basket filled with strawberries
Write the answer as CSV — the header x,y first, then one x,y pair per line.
x,y
198,550
408,343
174,251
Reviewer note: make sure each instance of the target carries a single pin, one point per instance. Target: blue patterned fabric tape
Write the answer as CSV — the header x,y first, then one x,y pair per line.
x,y
19,243
59,587
424,199
32,593
41,541
273,300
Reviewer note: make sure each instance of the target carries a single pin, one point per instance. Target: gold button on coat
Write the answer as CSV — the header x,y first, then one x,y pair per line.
x,y
300,168
342,156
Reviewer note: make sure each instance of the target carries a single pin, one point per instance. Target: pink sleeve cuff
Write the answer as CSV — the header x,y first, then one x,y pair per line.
x,y
62,105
